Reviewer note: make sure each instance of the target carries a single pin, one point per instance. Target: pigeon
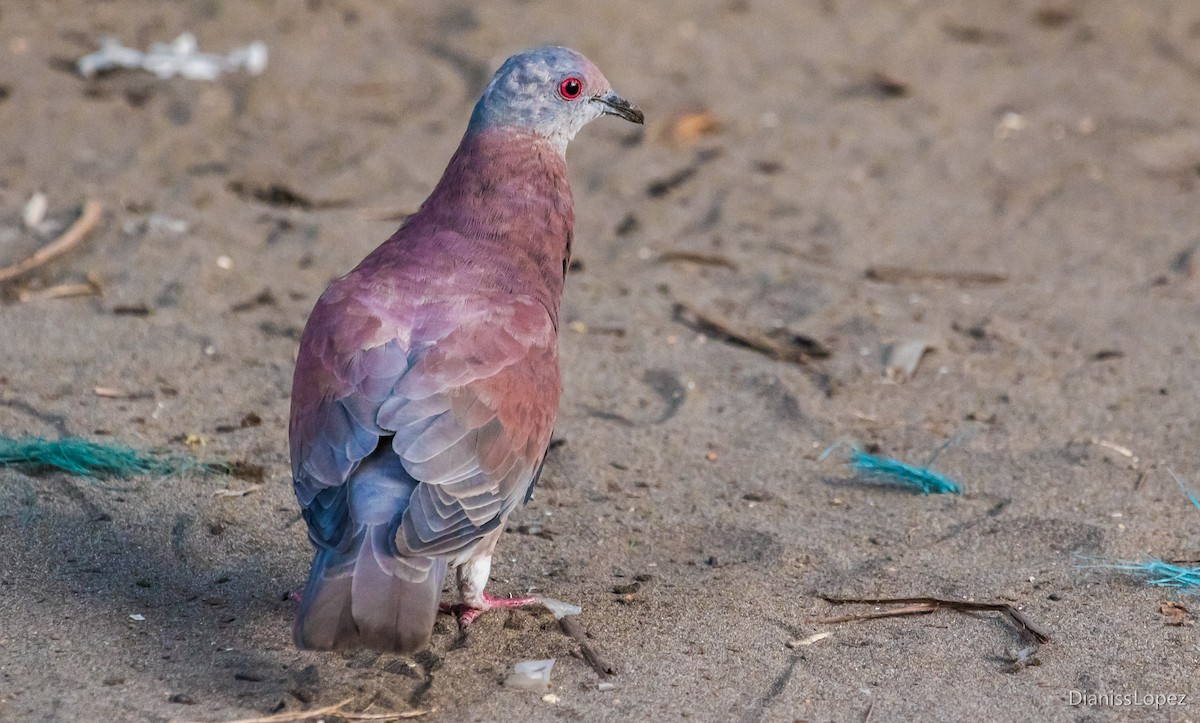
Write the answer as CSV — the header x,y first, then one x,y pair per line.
x,y
427,382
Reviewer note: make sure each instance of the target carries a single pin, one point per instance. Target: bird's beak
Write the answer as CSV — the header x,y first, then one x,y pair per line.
x,y
618,106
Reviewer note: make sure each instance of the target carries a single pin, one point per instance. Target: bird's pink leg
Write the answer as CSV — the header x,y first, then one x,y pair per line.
x,y
468,613
472,576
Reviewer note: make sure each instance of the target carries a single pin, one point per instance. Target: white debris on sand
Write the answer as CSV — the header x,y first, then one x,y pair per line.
x,y
180,57
34,212
560,609
531,675
802,642
902,358
156,222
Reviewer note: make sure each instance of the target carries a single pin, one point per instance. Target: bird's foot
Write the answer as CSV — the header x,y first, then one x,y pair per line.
x,y
468,612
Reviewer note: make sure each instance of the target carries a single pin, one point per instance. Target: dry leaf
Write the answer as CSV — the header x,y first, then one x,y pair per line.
x,y
1175,614
688,129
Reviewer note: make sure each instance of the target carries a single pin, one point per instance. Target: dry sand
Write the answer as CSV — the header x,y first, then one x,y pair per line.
x,y
1054,143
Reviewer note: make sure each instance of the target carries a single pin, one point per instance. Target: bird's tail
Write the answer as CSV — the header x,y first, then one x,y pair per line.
x,y
369,597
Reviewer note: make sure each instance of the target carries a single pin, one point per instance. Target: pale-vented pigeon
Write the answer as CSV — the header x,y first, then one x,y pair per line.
x,y
427,381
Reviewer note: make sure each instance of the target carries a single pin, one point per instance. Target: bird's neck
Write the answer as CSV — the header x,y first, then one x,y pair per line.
x,y
503,171
505,193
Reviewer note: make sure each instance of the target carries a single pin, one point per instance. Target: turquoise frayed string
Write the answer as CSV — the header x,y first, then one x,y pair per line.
x,y
1158,572
1155,572
1190,495
82,458
893,471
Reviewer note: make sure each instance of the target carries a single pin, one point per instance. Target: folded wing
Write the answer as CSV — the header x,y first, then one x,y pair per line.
x,y
463,394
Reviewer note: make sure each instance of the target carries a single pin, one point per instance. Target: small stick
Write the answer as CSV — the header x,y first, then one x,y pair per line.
x,y
388,214
336,710
893,613
899,274
1024,624
61,291
296,715
574,630
87,220
756,340
404,715
697,257
870,712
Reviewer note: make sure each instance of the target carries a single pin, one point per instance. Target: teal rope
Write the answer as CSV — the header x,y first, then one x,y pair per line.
x,y
82,458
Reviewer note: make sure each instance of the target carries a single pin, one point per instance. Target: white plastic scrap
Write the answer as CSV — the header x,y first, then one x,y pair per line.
x,y
901,359
35,210
814,638
156,222
180,57
531,675
560,609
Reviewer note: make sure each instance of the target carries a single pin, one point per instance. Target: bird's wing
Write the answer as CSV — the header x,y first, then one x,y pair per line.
x,y
467,393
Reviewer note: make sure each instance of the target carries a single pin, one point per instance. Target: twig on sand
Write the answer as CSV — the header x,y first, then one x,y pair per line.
x,y
870,712
389,214
575,631
697,257
61,291
900,274
920,605
338,710
891,613
780,344
72,236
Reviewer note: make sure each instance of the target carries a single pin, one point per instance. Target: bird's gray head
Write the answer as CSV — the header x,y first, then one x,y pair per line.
x,y
553,91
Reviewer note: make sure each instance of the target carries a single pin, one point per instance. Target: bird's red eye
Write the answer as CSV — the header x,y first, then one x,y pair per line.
x,y
571,88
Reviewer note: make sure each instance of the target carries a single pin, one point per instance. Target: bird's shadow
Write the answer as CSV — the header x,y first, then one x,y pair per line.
x,y
179,599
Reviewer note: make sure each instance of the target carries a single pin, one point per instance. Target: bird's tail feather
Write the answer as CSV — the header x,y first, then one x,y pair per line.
x,y
367,597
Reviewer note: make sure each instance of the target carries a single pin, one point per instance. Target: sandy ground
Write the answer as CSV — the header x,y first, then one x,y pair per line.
x,y
1056,145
